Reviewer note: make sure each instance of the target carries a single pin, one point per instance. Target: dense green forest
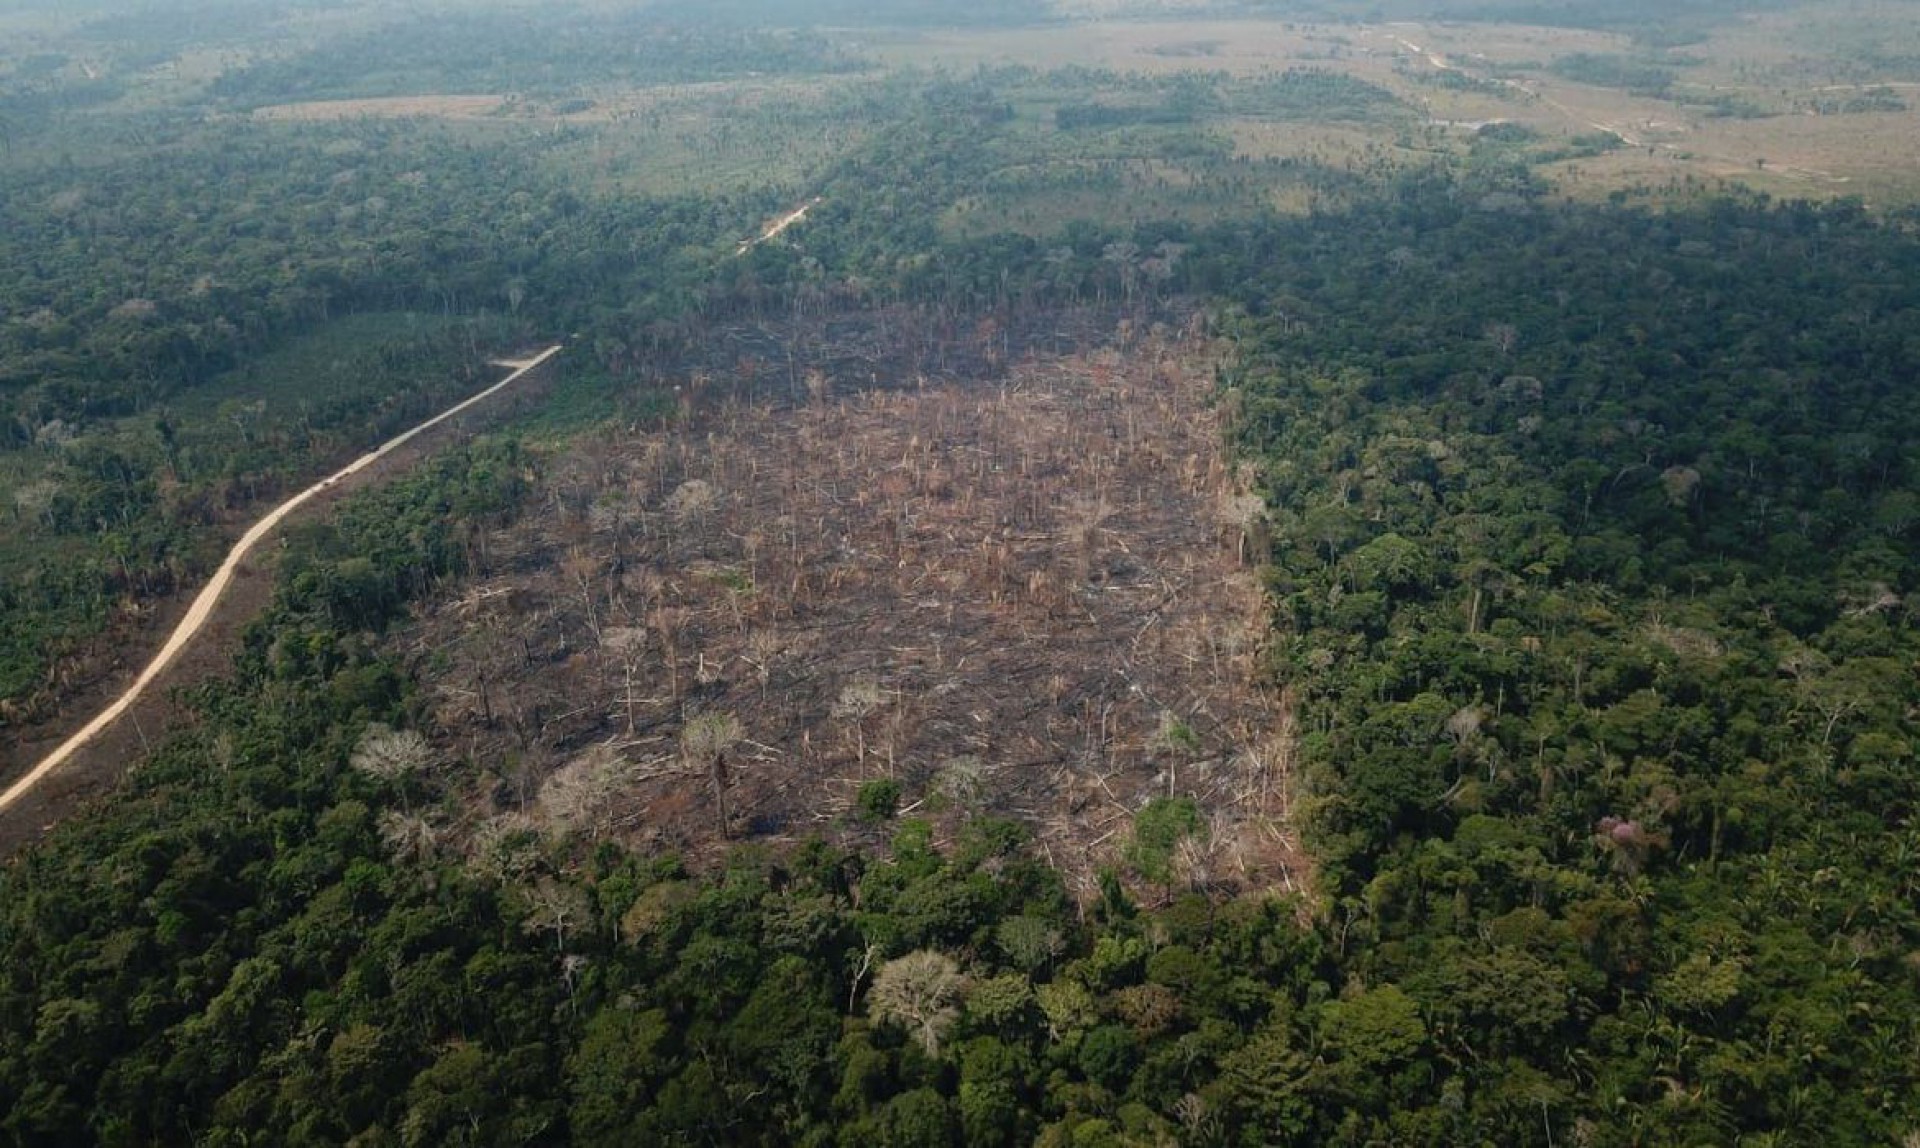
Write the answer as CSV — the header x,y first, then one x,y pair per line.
x,y
1590,541
1597,575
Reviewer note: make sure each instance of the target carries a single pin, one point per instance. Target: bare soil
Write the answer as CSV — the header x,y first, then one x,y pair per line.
x,y
1019,596
387,107
775,227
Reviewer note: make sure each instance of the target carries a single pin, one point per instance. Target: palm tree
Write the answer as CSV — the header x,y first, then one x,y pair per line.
x,y
704,744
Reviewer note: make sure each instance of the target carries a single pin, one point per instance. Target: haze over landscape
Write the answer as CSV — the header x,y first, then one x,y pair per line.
x,y
882,572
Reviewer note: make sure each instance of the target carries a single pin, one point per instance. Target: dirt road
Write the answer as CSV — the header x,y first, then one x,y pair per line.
x,y
209,596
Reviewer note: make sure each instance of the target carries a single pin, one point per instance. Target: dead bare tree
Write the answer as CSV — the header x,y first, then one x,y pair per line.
x,y
556,907
409,837
667,622
763,646
390,754
857,701
629,645
921,992
580,794
583,570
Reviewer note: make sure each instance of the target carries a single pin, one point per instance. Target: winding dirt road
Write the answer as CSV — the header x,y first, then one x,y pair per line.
x,y
209,596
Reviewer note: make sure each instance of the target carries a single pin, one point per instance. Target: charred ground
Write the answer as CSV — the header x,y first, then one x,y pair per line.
x,y
1014,589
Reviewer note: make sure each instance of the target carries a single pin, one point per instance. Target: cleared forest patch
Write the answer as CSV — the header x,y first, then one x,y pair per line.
x,y
1021,597
386,107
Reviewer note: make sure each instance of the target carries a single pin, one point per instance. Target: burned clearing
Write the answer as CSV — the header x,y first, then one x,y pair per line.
x,y
1021,596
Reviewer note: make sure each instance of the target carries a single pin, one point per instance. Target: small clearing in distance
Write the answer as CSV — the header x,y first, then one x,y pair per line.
x,y
386,107
773,230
